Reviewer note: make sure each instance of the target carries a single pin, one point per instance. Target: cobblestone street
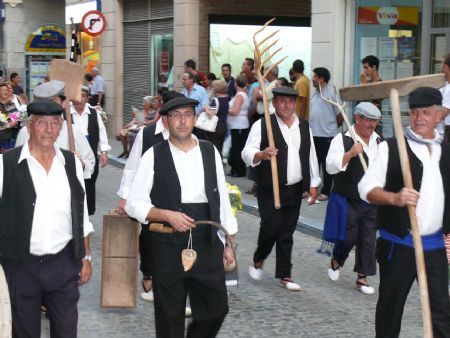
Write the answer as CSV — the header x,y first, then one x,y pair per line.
x,y
257,309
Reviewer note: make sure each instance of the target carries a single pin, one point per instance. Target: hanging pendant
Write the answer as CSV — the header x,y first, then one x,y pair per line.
x,y
189,255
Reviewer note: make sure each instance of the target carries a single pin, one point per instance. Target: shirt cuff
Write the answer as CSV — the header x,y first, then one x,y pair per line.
x,y
88,229
105,147
139,210
315,182
123,192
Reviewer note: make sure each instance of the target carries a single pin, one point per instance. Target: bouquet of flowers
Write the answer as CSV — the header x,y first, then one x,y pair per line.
x,y
235,198
6,119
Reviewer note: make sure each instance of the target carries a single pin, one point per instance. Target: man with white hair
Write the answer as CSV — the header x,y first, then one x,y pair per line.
x,y
98,88
349,216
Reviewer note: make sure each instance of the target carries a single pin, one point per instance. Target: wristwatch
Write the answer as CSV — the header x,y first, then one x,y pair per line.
x,y
88,258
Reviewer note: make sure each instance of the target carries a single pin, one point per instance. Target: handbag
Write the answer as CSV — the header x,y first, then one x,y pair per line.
x,y
204,122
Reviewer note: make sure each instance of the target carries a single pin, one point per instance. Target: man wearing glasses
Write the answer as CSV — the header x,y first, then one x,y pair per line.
x,y
179,181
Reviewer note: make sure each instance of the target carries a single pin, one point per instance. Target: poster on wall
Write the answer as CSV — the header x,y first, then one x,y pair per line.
x,y
387,69
368,46
386,47
405,48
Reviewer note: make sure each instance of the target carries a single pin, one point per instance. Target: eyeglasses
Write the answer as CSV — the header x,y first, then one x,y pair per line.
x,y
179,115
43,124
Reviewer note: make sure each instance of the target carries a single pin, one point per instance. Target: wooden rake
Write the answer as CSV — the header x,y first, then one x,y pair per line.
x,y
346,120
260,64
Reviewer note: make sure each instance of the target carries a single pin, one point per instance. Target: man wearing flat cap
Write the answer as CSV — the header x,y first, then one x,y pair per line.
x,y
383,185
349,220
298,172
89,122
146,138
44,241
179,181
54,90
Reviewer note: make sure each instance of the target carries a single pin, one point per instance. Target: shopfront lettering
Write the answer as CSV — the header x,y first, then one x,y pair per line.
x,y
387,15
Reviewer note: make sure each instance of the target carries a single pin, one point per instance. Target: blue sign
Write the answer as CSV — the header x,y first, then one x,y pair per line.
x,y
48,38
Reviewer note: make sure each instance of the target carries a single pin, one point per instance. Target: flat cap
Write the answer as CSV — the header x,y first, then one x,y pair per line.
x,y
44,107
424,97
284,91
170,94
368,110
177,102
49,89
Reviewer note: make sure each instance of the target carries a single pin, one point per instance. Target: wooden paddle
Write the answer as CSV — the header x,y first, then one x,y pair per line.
x,y
72,75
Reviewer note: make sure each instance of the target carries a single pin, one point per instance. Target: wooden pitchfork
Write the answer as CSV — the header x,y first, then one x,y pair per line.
x,y
344,115
259,65
393,89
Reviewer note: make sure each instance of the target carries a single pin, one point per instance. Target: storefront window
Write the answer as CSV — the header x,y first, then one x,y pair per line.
x,y
391,31
162,61
441,13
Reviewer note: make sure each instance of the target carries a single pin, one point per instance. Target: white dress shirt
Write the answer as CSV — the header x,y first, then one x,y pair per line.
x,y
337,151
189,167
52,220
133,159
430,206
82,122
291,136
81,146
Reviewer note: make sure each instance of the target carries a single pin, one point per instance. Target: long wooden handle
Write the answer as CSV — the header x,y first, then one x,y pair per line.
x,y
352,134
273,159
418,249
69,127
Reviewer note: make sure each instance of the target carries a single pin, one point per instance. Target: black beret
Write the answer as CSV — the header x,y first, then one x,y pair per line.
x,y
170,94
44,107
284,91
424,97
177,102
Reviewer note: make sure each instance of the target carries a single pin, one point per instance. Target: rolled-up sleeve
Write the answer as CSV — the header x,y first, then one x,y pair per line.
x,y
252,145
138,201
313,164
131,167
335,156
376,173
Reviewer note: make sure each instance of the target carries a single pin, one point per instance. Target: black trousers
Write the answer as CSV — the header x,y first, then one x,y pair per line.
x,y
397,274
145,251
238,139
277,228
204,283
360,231
89,185
54,277
322,145
447,134
218,137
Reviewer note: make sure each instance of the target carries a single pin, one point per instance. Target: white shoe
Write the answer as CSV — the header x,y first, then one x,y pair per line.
x,y
256,274
147,296
365,289
291,286
188,311
231,282
333,274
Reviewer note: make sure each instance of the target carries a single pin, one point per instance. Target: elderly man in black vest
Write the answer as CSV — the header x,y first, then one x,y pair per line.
x,y
146,138
44,241
383,185
178,181
353,219
298,172
90,123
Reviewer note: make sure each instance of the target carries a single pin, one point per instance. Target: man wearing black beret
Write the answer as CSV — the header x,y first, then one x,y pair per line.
x,y
383,185
179,181
44,241
298,172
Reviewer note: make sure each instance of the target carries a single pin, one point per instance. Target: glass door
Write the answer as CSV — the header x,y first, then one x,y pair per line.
x,y
440,34
161,61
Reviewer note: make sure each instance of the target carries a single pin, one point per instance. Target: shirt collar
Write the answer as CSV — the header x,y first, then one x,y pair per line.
x,y
86,109
25,153
195,148
296,122
372,138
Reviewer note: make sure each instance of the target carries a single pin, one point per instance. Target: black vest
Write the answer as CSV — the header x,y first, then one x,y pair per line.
x,y
345,183
93,131
395,219
166,189
288,194
149,139
17,207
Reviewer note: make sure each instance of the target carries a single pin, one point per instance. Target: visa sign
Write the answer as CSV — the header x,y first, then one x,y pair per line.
x,y
387,15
